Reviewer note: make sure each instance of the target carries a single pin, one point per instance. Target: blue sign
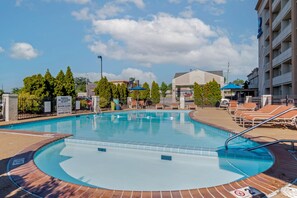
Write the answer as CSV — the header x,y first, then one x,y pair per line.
x,y
260,32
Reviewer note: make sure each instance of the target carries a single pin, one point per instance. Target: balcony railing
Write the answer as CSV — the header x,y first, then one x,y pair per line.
x,y
274,4
284,33
284,78
281,14
282,57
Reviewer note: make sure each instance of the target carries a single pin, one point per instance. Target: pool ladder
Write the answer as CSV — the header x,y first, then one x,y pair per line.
x,y
256,126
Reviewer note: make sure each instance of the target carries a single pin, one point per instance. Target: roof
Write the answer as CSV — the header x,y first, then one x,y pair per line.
x,y
179,74
219,73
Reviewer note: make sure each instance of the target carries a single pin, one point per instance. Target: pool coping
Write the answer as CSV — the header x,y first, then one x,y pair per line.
x,y
31,179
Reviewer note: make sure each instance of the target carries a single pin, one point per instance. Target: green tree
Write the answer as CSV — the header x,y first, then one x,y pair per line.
x,y
34,85
163,89
145,94
123,92
59,89
69,83
80,83
115,91
238,82
16,90
155,93
169,87
103,89
212,93
49,82
198,94
1,93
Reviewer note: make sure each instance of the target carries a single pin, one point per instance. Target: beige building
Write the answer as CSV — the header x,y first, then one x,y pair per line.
x,y
277,35
182,83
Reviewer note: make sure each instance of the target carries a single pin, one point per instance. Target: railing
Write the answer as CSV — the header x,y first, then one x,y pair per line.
x,y
272,143
256,126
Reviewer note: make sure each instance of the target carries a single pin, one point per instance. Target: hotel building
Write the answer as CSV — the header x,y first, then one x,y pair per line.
x,y
277,38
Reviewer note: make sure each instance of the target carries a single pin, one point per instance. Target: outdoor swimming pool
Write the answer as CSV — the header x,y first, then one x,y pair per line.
x,y
144,150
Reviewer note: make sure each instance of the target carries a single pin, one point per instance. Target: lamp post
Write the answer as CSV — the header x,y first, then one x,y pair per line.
x,y
101,65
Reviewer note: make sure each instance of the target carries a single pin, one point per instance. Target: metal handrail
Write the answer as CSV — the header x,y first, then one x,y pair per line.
x,y
272,143
253,127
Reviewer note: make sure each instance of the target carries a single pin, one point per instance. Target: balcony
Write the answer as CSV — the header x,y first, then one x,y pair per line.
x,y
267,84
284,33
285,78
282,57
266,67
274,4
265,18
266,50
281,15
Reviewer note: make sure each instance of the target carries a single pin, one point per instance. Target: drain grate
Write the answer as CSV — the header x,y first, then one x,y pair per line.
x,y
102,149
166,157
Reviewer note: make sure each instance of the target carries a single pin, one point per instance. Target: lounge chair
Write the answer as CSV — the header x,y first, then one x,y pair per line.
x,y
232,106
192,106
257,118
159,106
268,109
174,106
133,104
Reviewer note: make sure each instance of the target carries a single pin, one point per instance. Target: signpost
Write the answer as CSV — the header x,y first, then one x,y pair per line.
x,y
64,105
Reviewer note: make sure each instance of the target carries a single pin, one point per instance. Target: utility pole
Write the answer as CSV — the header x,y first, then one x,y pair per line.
x,y
227,78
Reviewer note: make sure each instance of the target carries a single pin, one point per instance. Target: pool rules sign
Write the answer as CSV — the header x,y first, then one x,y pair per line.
x,y
64,105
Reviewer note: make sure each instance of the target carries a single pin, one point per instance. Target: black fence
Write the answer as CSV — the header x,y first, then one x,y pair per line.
x,y
34,107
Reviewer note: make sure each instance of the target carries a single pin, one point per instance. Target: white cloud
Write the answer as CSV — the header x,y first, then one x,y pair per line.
x,y
187,13
109,9
23,51
83,14
78,1
18,2
1,50
170,40
138,3
174,1
208,1
143,76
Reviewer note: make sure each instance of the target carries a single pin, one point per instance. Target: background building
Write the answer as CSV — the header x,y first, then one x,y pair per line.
x,y
277,34
183,83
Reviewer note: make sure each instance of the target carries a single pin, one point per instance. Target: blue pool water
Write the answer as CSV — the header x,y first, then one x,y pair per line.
x,y
122,150
171,128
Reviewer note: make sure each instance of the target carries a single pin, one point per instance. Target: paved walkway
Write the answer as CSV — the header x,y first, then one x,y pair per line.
x,y
29,177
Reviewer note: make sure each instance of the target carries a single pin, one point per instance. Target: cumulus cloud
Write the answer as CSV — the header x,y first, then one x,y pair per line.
x,y
208,1
137,3
187,13
124,75
1,50
83,14
174,1
23,51
78,1
171,40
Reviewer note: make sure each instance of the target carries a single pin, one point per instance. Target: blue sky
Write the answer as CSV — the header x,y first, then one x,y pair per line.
x,y
146,39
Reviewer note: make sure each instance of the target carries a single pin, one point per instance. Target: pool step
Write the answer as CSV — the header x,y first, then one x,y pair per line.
x,y
233,153
100,144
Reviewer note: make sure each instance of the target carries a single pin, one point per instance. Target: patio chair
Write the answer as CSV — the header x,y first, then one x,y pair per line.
x,y
268,109
174,106
232,106
257,118
192,106
141,104
159,106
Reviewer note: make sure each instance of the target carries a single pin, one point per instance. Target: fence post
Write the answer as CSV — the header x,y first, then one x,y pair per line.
x,y
10,107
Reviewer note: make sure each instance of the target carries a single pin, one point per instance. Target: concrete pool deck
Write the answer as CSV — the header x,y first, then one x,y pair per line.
x,y
16,146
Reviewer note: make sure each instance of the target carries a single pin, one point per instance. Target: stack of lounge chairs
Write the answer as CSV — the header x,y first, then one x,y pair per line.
x,y
254,117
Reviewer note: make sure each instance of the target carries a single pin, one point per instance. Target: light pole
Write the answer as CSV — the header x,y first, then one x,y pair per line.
x,y
101,65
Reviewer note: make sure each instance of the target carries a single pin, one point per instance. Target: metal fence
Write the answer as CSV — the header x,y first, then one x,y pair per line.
x,y
35,107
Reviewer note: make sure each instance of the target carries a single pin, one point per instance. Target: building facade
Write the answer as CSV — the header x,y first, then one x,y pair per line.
x,y
183,83
277,38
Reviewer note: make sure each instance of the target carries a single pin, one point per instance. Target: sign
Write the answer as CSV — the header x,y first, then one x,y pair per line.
x,y
260,31
245,192
64,105
77,105
47,107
